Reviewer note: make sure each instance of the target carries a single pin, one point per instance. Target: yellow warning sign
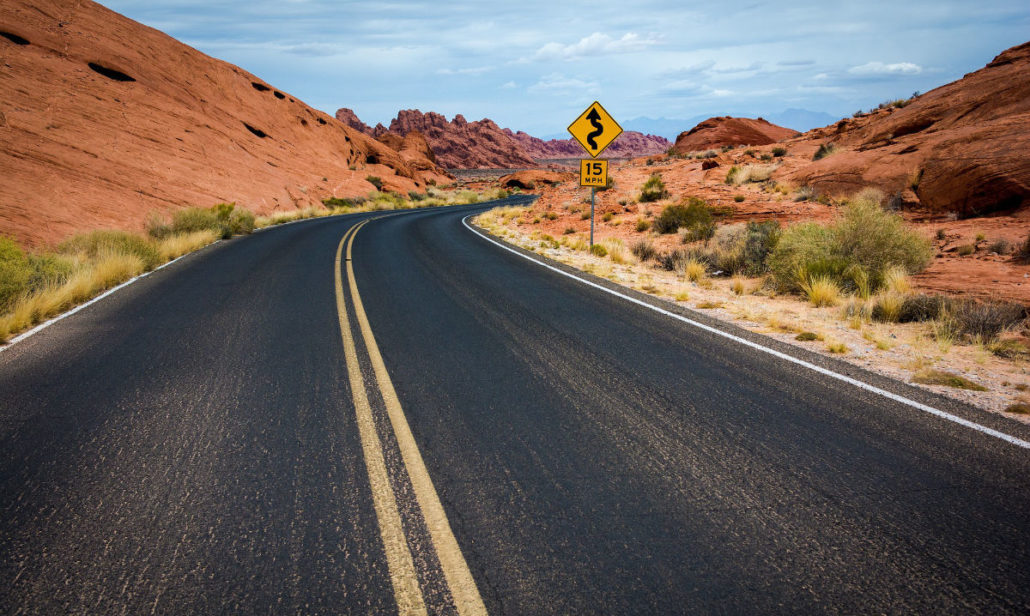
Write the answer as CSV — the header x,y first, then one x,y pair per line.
x,y
593,172
595,129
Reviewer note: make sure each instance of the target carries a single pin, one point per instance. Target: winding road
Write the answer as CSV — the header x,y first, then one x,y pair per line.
x,y
378,412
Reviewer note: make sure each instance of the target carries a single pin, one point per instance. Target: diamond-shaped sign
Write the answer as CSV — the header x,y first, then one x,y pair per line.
x,y
594,129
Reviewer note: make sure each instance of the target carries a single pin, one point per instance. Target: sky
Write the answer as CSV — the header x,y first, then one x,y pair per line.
x,y
535,65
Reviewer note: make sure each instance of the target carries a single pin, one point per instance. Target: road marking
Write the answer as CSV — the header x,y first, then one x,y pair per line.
x,y
456,572
406,589
754,345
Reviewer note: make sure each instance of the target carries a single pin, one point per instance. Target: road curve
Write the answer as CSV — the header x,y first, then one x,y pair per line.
x,y
193,444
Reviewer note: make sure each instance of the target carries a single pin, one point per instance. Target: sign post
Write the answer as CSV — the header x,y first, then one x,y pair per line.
x,y
595,130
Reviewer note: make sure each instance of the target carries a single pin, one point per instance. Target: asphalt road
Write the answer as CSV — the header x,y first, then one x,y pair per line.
x,y
195,443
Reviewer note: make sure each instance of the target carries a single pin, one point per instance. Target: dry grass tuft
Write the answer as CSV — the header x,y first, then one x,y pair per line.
x,y
694,270
947,379
821,291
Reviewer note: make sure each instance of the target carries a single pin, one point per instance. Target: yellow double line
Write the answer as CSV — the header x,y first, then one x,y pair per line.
x,y
456,573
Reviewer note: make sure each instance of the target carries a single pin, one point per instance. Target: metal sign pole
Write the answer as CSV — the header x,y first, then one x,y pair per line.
x,y
592,217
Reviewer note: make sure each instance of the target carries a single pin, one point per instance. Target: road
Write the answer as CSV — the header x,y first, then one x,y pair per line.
x,y
242,432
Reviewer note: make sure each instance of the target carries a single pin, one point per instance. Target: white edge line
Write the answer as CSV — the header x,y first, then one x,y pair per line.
x,y
847,379
46,324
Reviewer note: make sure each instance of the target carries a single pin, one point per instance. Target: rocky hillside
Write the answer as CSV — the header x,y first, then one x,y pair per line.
x,y
630,144
104,121
961,148
722,131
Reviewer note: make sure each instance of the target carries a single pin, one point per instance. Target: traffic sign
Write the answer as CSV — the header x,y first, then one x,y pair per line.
x,y
595,129
593,172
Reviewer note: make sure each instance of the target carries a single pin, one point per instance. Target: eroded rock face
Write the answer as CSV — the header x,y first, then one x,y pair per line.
x,y
962,148
106,121
629,144
533,179
715,133
460,144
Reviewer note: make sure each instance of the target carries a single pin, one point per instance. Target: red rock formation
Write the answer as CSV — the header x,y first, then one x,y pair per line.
x,y
962,147
460,144
718,132
348,117
105,121
532,179
629,144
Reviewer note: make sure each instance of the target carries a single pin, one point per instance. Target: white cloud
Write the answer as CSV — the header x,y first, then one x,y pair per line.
x,y
556,83
478,70
511,85
596,44
879,68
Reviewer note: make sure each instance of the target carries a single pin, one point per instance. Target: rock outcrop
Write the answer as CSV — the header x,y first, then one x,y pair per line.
x,y
460,144
533,178
715,133
630,144
104,121
960,148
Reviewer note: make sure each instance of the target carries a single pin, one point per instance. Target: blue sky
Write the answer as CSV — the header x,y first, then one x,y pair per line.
x,y
534,65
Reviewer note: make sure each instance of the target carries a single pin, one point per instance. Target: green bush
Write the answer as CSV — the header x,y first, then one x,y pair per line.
x,y
865,235
94,243
824,150
918,308
643,224
375,181
15,272
653,189
731,175
779,151
598,250
986,320
761,239
195,219
224,219
695,212
48,270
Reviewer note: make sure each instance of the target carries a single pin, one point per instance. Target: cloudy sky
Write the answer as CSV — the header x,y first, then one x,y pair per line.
x,y
534,65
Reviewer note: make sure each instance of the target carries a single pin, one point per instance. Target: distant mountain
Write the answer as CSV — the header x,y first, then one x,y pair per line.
x,y
669,128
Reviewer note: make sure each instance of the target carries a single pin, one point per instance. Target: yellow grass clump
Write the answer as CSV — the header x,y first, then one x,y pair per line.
x,y
821,291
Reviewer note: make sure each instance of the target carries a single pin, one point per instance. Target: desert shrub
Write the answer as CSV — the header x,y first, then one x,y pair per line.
x,y
609,184
708,154
694,270
805,193
760,240
749,173
887,307
965,250
726,252
339,202
15,272
699,231
919,307
98,243
643,224
598,250
803,249
48,270
643,250
998,246
738,198
824,150
554,216
766,157
820,290
616,249
607,217
157,227
673,261
948,379
695,212
568,231
986,320
878,240
653,189
375,181
417,196
779,151
194,219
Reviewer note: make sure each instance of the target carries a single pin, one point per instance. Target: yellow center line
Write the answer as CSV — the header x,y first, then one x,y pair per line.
x,y
406,589
455,569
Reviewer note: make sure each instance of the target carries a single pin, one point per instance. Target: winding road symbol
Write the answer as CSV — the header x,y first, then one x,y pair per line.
x,y
595,129
595,121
